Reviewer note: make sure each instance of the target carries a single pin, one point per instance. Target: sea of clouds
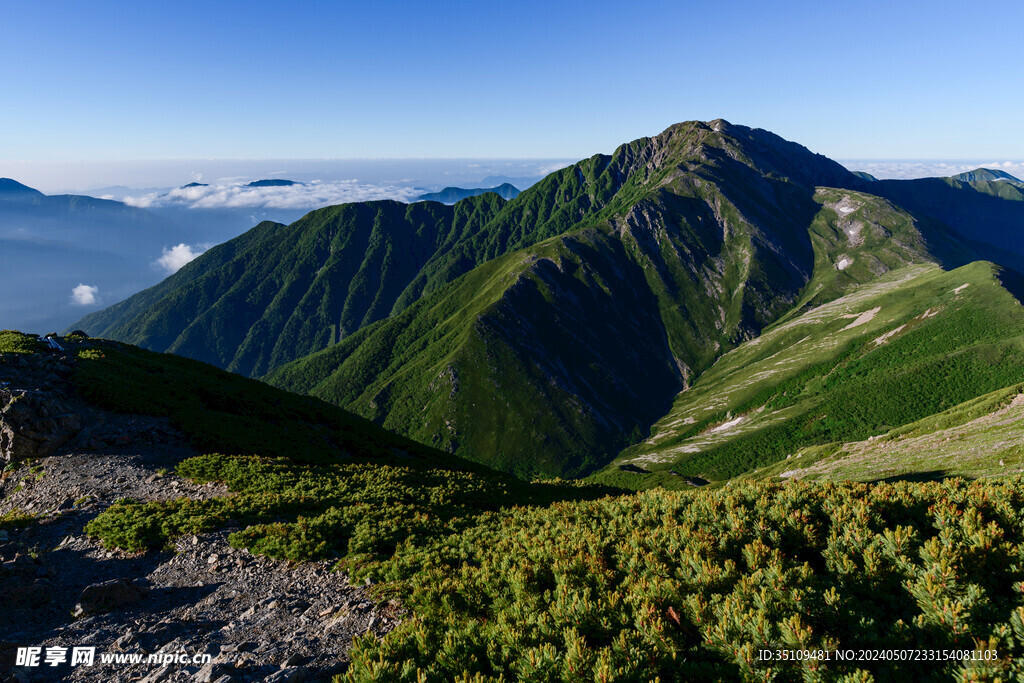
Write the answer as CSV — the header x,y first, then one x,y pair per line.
x,y
930,168
311,195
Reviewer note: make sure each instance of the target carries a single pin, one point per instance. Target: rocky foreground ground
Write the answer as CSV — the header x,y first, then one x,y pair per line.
x,y
257,618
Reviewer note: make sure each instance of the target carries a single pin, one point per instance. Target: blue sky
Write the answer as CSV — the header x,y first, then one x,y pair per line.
x,y
878,80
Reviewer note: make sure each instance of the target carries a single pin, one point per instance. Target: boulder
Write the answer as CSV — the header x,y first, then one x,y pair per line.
x,y
33,425
107,595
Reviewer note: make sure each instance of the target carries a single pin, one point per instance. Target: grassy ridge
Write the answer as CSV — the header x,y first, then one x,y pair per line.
x,y
979,438
973,347
924,341
222,411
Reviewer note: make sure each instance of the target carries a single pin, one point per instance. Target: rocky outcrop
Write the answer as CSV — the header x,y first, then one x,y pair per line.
x,y
35,415
33,424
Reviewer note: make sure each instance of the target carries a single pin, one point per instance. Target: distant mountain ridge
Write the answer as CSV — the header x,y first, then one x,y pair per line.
x,y
279,292
450,195
273,182
986,174
54,243
12,189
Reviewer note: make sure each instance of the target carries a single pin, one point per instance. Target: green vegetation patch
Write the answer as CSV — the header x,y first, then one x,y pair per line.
x,y
12,341
979,438
16,519
298,511
670,586
553,582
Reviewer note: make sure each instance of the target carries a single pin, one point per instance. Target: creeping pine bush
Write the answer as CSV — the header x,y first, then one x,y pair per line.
x,y
12,341
675,586
508,583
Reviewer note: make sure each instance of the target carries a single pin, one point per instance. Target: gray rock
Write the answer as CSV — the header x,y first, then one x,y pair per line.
x,y
211,671
33,425
293,674
157,675
107,595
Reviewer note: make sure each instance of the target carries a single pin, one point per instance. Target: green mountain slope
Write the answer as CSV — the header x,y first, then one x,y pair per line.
x,y
896,350
980,438
987,174
548,333
292,291
112,317
280,292
550,359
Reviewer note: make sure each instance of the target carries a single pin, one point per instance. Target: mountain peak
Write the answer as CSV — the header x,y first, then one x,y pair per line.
x,y
719,125
450,195
986,174
720,142
10,189
272,182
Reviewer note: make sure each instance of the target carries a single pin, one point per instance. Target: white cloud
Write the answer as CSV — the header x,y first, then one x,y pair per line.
x,y
177,256
551,168
85,295
311,195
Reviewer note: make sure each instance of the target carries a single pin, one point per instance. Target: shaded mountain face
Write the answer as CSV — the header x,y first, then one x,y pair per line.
x,y
544,334
987,214
450,195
